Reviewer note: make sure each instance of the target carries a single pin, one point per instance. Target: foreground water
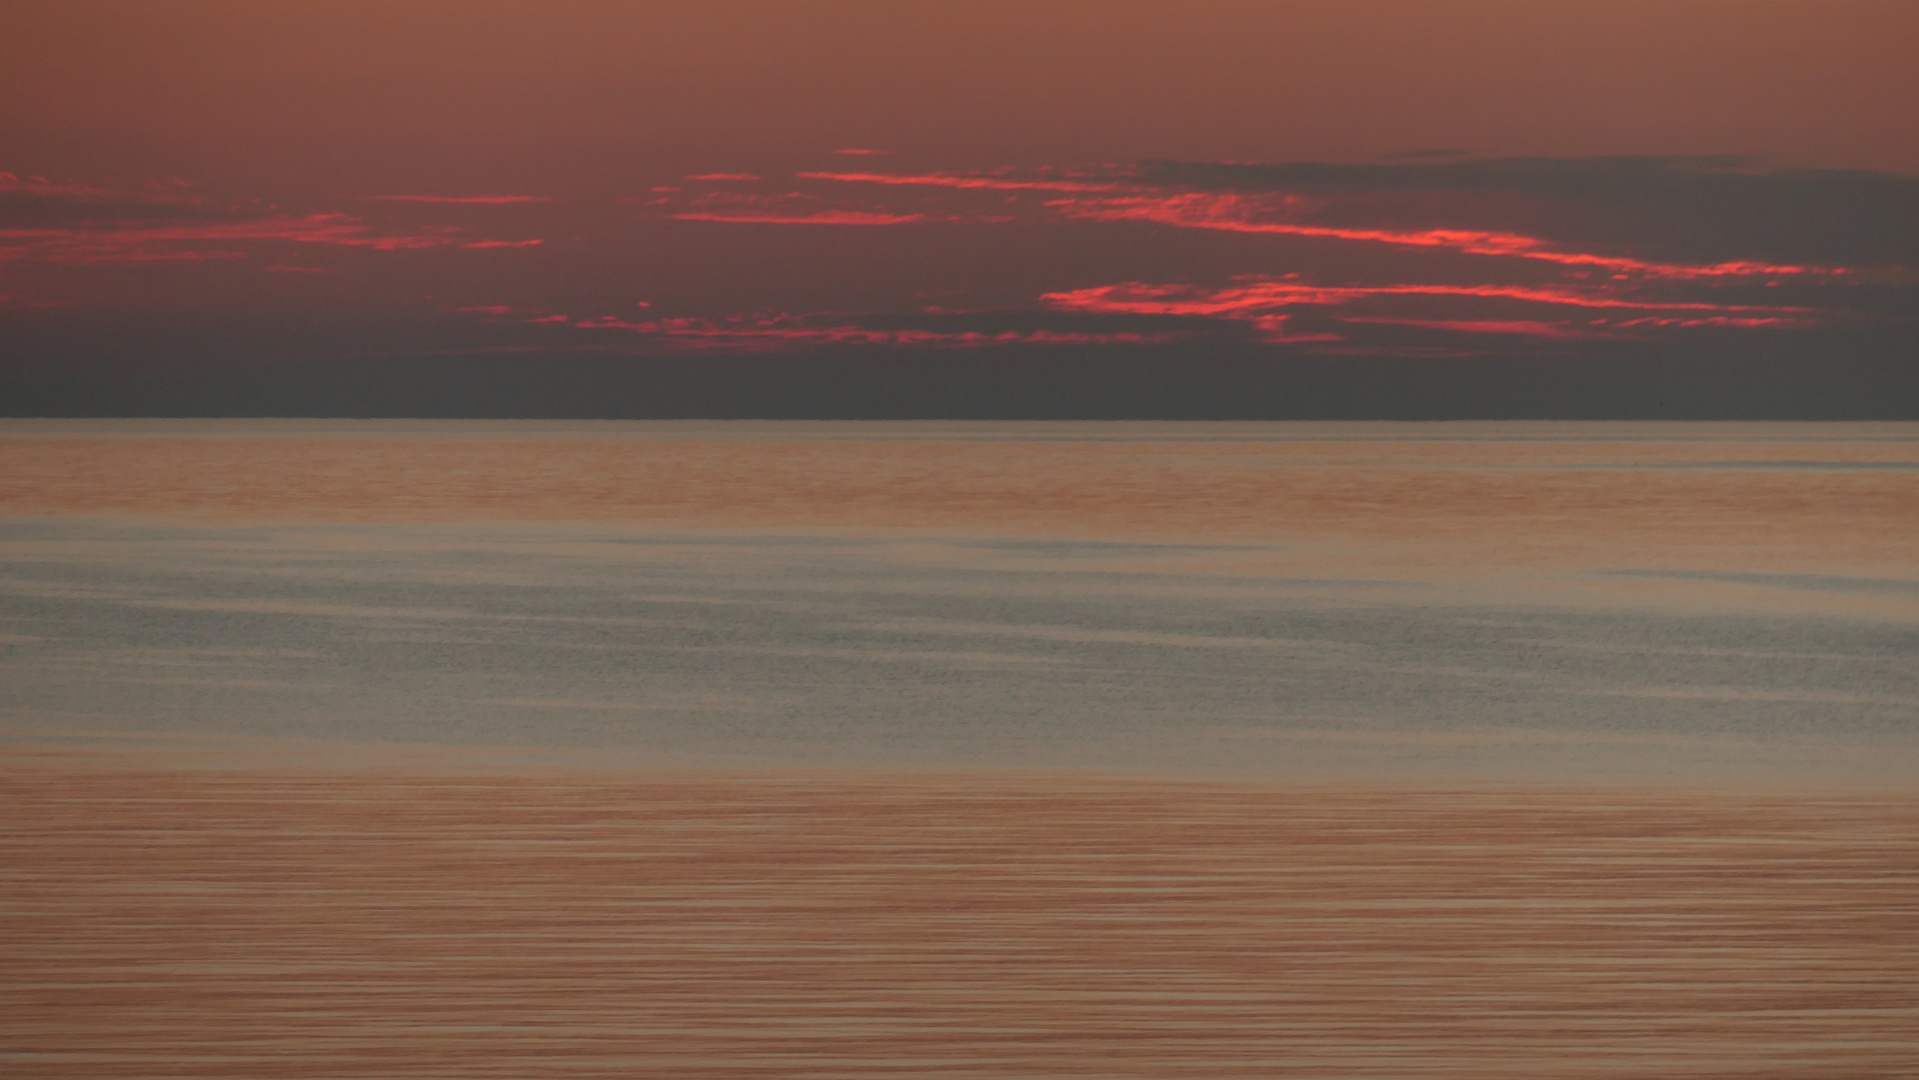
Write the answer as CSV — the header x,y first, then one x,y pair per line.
x,y
810,751
295,924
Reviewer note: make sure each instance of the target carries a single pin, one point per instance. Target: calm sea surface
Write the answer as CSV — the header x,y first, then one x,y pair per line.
x,y
962,750
1502,601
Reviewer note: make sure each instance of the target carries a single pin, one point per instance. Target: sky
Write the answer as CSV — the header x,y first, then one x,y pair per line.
x,y
1041,208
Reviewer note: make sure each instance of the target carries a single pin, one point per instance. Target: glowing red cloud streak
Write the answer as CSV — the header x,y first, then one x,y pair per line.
x,y
1256,214
1526,327
1600,329
1718,320
1272,328
821,217
948,180
1140,298
1235,213
460,200
1265,294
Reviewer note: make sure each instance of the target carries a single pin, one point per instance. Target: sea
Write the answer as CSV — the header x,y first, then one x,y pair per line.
x,y
1601,602
980,751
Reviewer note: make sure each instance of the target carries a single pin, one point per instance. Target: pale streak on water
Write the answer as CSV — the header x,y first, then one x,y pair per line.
x,y
1003,750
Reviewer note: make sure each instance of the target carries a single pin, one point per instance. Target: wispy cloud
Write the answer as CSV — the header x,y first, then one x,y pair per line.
x,y
1261,301
743,333
1536,286
168,222
461,200
1427,255
200,242
771,208
1251,214
763,332
1525,327
817,217
871,198
959,181
41,186
1743,322
1382,204
36,203
1685,211
1252,293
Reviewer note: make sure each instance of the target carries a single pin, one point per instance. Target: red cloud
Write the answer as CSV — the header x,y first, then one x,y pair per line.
x,y
461,200
1239,213
1118,197
1487,326
949,180
772,208
1261,302
206,240
1256,294
819,217
758,333
1273,328
1743,323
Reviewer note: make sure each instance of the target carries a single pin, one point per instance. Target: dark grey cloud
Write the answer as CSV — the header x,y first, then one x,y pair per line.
x,y
1705,208
1427,155
183,363
1040,318
1879,299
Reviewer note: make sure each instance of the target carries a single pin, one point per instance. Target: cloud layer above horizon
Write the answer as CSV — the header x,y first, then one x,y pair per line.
x,y
862,235
1403,258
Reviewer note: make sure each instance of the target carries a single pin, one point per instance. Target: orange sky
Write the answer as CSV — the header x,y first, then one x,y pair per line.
x,y
379,91
435,177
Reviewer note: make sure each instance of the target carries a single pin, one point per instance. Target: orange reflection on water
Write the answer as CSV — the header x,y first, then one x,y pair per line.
x,y
1365,499
304,924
